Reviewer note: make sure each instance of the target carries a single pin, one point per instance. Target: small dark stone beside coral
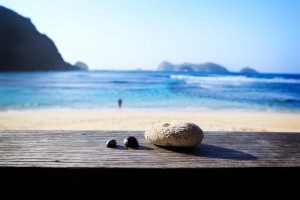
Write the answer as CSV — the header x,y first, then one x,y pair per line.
x,y
131,142
111,143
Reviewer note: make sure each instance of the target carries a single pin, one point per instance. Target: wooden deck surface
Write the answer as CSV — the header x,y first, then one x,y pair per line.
x,y
78,165
86,149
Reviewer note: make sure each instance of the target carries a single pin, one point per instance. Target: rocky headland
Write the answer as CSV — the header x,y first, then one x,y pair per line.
x,y
24,48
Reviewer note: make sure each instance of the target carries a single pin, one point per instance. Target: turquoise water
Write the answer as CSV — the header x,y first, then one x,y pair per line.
x,y
149,89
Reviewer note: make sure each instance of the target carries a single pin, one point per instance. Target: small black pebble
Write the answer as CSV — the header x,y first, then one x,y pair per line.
x,y
131,142
111,143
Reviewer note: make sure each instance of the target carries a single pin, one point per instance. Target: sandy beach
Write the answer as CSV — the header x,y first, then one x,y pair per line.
x,y
141,119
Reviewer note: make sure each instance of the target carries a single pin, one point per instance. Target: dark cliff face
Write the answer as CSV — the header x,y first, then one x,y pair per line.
x,y
23,48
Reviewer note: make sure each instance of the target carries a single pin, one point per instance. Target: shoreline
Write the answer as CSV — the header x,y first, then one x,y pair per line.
x,y
141,119
167,109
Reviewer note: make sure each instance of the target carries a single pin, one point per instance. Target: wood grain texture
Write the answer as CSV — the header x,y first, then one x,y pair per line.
x,y
86,149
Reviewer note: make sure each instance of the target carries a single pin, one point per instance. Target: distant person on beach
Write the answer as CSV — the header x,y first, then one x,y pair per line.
x,y
120,103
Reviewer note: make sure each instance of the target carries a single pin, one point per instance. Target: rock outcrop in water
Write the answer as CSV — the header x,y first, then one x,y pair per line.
x,y
81,65
23,48
248,70
189,67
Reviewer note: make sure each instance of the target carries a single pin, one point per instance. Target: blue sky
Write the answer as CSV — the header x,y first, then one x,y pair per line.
x,y
132,34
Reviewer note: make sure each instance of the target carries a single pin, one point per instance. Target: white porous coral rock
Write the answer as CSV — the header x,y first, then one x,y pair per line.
x,y
177,134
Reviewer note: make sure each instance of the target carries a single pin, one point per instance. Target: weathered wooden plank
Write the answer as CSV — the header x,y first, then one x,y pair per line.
x,y
76,164
86,149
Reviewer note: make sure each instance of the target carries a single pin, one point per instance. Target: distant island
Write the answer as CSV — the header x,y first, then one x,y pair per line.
x,y
23,48
189,67
204,67
248,70
81,65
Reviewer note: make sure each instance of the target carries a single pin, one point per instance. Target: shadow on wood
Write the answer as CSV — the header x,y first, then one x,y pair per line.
x,y
213,151
141,147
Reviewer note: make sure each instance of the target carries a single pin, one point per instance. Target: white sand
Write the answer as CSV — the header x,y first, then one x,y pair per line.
x,y
141,119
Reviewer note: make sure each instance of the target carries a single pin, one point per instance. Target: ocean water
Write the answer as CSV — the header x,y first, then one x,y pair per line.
x,y
149,90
